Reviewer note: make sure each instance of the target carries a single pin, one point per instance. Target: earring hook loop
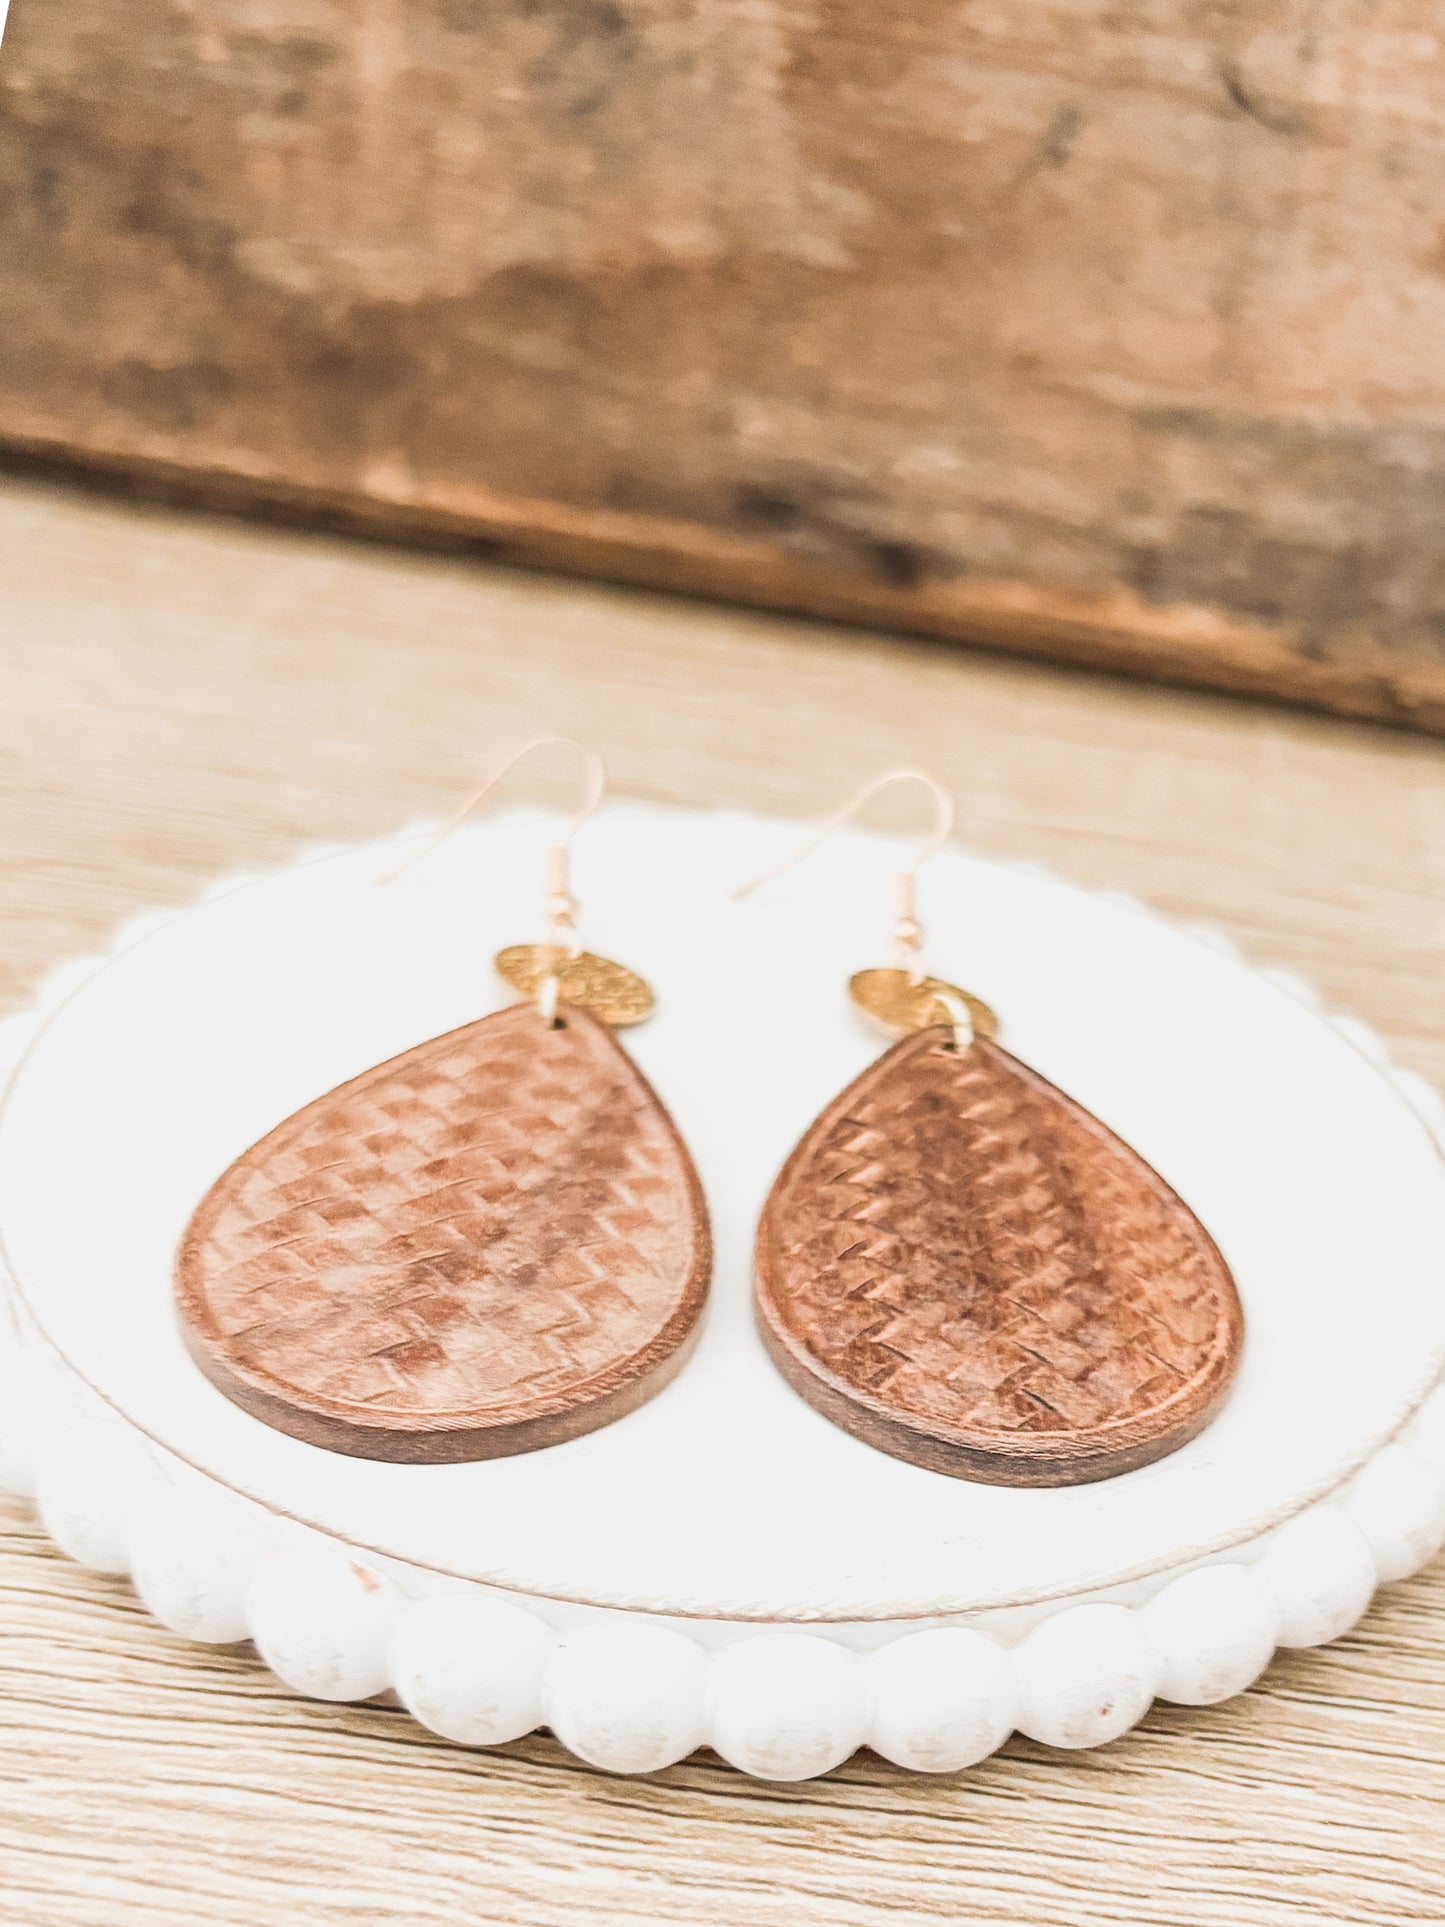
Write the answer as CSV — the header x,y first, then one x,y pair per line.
x,y
903,998
944,813
595,782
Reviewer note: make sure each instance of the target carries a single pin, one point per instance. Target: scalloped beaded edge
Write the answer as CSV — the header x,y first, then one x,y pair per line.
x,y
632,1694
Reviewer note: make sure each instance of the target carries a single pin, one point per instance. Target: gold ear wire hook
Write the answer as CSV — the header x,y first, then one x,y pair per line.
x,y
907,932
561,906
901,999
558,971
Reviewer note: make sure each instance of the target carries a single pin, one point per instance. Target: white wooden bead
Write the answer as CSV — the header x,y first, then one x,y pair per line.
x,y
91,1479
1423,1098
323,1624
17,1454
21,1422
1214,1631
136,929
64,980
1213,939
227,886
193,1555
1085,1676
470,1668
1319,1571
786,1706
627,1698
1293,985
1031,866
16,1031
939,1700
1427,1435
1398,1502
1367,1042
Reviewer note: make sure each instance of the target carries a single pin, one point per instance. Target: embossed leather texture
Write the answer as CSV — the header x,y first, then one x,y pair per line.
x,y
964,1268
493,1242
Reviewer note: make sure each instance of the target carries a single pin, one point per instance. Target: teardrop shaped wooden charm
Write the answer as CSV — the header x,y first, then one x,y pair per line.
x,y
963,1267
493,1242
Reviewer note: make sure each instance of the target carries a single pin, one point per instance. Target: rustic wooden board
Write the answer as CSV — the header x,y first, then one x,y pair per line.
x,y
1111,333
184,697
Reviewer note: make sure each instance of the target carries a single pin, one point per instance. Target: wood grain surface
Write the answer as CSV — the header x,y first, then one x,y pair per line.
x,y
963,1267
1108,331
180,697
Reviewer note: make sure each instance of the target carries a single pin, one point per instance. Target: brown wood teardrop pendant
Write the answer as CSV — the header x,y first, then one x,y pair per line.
x,y
494,1242
963,1267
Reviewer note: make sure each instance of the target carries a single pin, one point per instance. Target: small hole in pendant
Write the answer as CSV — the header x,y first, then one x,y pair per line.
x,y
548,1002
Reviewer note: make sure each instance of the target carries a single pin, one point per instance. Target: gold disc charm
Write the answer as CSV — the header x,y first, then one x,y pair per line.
x,y
609,991
893,1003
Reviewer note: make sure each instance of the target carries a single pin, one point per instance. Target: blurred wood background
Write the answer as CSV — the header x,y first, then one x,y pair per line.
x,y
184,696
1109,332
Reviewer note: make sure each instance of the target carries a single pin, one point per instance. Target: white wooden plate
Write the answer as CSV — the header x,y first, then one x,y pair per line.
x,y
726,1512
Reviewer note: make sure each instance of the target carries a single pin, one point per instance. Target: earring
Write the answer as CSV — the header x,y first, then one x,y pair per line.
x,y
963,1267
491,1243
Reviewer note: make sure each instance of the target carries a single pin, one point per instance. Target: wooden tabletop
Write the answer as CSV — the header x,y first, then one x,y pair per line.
x,y
181,696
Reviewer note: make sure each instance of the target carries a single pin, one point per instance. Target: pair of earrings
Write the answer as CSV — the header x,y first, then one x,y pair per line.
x,y
497,1241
